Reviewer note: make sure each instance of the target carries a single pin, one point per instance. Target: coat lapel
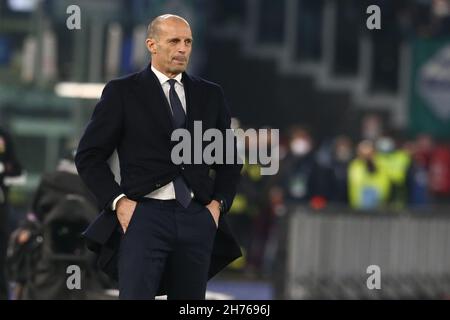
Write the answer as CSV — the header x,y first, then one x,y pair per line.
x,y
151,94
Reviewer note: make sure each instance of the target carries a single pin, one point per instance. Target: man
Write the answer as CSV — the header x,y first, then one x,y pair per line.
x,y
163,228
368,182
9,167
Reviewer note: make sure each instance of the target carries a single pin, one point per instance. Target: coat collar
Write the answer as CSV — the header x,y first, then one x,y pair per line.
x,y
149,86
163,78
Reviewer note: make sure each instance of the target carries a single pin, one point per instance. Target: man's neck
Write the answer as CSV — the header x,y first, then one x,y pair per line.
x,y
168,74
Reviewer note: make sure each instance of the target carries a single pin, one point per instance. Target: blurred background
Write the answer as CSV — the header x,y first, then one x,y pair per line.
x,y
364,120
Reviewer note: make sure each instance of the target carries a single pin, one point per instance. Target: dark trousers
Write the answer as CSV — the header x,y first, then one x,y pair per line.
x,y
163,238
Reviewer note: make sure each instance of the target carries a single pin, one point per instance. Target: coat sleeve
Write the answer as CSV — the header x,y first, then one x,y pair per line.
x,y
99,140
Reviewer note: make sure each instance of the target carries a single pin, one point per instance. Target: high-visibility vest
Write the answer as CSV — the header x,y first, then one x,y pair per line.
x,y
396,165
367,190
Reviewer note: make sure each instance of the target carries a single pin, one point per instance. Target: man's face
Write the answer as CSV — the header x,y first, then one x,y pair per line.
x,y
172,47
366,150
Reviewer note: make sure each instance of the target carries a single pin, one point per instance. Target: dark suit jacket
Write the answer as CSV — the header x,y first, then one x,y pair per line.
x,y
133,116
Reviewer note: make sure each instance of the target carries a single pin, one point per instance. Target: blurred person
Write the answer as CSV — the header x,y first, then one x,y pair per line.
x,y
275,210
396,163
251,196
431,181
439,173
440,18
371,127
417,179
296,183
423,149
245,208
254,187
337,183
298,176
9,167
246,201
163,228
368,184
332,157
264,240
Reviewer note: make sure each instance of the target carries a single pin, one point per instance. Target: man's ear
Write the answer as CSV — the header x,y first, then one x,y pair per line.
x,y
151,45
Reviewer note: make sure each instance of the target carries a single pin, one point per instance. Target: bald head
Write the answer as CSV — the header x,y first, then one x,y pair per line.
x,y
169,42
154,28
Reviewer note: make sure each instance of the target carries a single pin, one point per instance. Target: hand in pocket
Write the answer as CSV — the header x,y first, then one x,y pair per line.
x,y
125,209
214,211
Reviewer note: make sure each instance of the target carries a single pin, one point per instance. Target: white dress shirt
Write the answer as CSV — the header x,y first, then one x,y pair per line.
x,y
166,192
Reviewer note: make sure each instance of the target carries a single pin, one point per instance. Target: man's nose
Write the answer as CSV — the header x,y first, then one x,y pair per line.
x,y
182,48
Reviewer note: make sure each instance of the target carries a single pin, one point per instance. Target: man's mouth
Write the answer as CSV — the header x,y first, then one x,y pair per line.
x,y
180,59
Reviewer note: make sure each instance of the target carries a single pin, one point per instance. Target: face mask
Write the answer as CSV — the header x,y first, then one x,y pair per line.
x,y
300,146
385,145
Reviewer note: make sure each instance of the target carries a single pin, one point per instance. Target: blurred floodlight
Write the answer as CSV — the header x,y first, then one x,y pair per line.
x,y
79,90
22,5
